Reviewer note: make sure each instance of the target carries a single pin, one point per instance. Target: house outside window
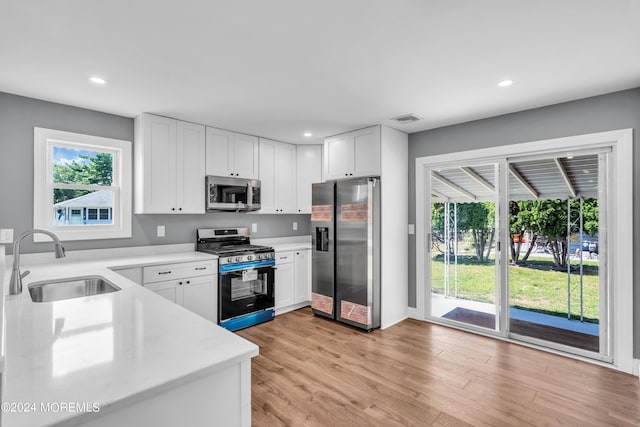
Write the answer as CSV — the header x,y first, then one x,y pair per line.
x,y
82,185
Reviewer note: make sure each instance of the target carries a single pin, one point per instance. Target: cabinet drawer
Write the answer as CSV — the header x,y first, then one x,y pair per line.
x,y
284,257
157,273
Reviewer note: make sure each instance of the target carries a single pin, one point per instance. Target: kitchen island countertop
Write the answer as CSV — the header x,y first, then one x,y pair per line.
x,y
68,358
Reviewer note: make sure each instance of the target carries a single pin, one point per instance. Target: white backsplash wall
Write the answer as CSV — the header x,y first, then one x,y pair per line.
x,y
19,115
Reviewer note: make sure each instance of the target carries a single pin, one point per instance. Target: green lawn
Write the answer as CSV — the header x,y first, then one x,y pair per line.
x,y
532,287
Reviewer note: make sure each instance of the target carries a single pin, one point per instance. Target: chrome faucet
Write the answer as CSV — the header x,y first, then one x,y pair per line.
x,y
15,283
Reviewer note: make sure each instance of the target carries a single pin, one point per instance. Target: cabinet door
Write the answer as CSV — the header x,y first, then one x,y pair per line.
x,y
245,156
285,169
338,156
170,289
366,144
284,285
267,176
199,295
303,276
158,161
219,152
190,172
308,171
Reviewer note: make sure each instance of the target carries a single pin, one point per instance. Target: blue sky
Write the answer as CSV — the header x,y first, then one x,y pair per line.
x,y
64,156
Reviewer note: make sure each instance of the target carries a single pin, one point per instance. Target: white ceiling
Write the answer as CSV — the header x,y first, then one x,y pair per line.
x,y
279,68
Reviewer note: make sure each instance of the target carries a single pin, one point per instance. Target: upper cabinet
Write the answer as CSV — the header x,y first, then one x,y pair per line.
x,y
309,171
231,154
169,166
277,177
352,154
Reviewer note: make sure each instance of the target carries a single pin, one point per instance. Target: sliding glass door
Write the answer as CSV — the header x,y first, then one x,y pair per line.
x,y
464,231
517,247
557,257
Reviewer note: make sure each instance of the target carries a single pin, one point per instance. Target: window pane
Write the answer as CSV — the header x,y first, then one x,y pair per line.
x,y
71,166
82,207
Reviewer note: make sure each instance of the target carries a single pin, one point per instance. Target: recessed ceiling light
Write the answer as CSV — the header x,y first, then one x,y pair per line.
x,y
505,83
308,134
97,80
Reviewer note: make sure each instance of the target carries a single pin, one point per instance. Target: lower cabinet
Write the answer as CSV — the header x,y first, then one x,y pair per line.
x,y
190,285
303,276
292,280
284,280
196,294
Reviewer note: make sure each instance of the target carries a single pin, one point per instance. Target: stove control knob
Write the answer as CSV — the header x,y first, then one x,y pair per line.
x,y
249,257
238,259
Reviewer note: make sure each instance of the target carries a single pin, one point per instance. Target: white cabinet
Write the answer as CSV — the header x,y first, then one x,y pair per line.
x,y
284,291
231,154
292,280
302,265
277,177
309,171
192,285
352,154
169,166
199,295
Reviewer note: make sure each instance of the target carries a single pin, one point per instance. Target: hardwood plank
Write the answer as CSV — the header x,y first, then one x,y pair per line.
x,y
312,371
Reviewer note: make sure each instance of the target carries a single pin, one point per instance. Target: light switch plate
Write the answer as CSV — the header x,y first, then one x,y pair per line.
x,y
254,228
412,229
160,231
6,235
295,226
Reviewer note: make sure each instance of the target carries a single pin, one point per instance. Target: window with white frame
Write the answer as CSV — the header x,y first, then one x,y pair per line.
x,y
82,185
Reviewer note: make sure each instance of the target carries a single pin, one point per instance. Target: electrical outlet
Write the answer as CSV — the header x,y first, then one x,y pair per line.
x,y
160,231
295,226
254,228
6,235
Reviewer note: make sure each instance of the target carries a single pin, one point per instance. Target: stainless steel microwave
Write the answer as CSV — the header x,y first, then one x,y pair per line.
x,y
232,194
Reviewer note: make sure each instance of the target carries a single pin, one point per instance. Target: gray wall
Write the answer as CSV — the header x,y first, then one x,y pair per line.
x,y
613,111
18,117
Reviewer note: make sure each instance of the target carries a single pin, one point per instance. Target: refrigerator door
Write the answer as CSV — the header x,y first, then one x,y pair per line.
x,y
358,252
323,249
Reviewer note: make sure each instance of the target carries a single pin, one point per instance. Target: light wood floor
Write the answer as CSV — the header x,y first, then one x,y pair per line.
x,y
315,372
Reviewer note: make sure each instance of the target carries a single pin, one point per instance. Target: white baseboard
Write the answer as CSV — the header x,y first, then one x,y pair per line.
x,y
289,308
636,367
412,313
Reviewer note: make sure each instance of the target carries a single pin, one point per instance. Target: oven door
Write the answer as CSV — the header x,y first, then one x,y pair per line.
x,y
245,291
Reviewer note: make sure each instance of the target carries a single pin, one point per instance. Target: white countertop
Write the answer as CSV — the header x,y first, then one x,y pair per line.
x,y
106,349
283,244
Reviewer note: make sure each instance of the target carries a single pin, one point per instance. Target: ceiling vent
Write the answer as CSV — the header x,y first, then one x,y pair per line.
x,y
407,118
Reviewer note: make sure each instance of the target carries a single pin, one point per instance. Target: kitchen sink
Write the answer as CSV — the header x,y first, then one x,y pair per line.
x,y
73,287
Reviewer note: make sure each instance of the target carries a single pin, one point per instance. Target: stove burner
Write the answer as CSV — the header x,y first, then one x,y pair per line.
x,y
232,245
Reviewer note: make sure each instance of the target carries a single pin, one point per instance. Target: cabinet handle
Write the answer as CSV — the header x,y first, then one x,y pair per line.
x,y
188,282
237,174
179,283
164,272
173,209
201,268
179,209
231,174
346,174
350,174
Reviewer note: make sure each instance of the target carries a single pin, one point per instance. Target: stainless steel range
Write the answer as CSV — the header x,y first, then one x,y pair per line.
x,y
245,276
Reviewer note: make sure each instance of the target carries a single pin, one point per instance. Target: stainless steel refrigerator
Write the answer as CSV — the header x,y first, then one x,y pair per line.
x,y
345,223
